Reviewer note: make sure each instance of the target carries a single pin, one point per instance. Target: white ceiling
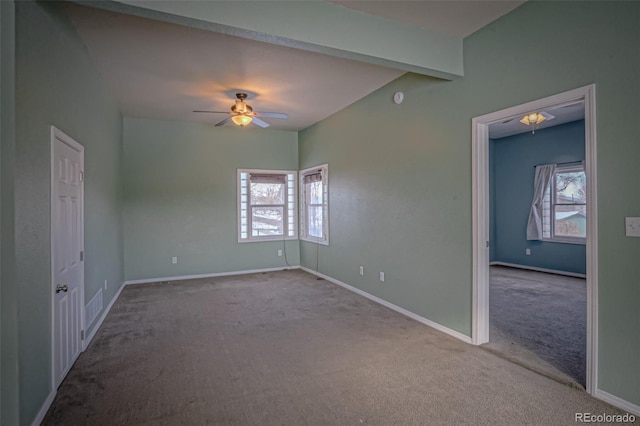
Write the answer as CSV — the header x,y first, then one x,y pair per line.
x,y
165,71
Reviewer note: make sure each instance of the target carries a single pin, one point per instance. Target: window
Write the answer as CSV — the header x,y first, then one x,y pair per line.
x,y
314,199
266,205
564,211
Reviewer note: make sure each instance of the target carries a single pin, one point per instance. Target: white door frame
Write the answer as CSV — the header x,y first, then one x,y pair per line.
x,y
480,201
57,134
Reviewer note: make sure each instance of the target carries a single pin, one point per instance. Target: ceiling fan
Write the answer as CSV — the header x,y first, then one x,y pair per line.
x,y
242,114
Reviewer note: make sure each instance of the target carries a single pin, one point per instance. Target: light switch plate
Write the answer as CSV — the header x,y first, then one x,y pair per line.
x,y
632,226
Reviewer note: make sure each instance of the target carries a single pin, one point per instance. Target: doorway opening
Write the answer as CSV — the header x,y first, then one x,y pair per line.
x,y
481,219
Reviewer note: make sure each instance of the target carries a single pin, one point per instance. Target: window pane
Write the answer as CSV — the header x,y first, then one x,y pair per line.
x,y
546,213
267,193
291,204
571,188
314,221
266,221
571,221
314,192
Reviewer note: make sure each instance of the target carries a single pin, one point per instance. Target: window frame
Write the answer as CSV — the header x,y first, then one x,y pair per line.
x,y
290,208
548,216
303,228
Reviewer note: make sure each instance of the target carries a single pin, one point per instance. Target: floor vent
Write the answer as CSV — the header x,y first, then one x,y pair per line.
x,y
93,308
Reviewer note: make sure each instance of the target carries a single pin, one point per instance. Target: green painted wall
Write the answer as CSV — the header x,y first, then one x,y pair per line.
x,y
401,175
181,197
8,284
57,84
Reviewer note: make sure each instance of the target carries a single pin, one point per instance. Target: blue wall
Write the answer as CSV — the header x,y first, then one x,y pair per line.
x,y
511,160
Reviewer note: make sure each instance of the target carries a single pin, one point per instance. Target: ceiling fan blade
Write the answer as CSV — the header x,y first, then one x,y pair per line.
x,y
223,122
270,114
509,121
259,122
214,112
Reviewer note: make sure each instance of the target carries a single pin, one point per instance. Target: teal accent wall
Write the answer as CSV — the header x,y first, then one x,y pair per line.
x,y
8,285
512,169
181,197
57,84
401,174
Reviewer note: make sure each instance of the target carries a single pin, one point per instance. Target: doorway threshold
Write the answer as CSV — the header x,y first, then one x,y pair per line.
x,y
529,360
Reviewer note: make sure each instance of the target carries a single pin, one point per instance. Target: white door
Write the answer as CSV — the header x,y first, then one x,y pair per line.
x,y
67,241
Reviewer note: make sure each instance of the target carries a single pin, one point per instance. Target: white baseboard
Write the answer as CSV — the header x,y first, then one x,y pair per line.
x,y
390,305
89,338
618,402
45,407
217,274
534,268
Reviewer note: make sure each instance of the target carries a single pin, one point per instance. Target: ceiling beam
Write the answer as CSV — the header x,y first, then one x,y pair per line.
x,y
315,26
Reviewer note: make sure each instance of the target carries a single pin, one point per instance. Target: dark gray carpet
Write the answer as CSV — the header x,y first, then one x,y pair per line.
x,y
539,319
283,348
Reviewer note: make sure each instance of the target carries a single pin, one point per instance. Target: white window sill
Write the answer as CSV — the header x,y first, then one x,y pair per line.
x,y
314,240
259,240
578,241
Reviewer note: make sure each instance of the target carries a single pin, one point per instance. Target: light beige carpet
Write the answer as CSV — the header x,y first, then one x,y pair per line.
x,y
283,348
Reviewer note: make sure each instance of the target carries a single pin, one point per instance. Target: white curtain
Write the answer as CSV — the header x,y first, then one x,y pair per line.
x,y
544,174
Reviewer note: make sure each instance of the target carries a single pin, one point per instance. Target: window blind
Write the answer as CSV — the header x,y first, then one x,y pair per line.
x,y
312,177
267,178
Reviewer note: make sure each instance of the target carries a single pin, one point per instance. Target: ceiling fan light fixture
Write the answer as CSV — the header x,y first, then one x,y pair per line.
x,y
241,120
242,114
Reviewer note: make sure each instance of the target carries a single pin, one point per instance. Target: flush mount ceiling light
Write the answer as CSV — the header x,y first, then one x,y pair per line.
x,y
535,118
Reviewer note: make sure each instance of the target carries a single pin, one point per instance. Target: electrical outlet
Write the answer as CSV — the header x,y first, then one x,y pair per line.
x,y
382,276
527,252
279,253
105,284
362,270
174,260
